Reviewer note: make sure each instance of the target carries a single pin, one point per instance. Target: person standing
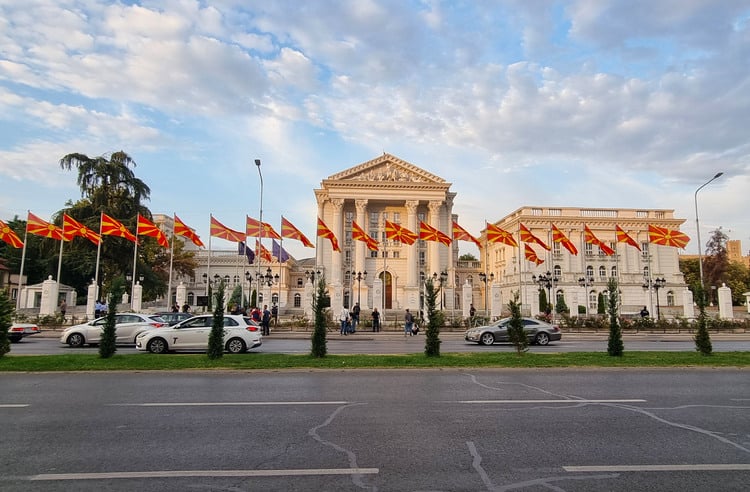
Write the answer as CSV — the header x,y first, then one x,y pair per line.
x,y
344,319
408,323
186,308
275,315
63,308
472,311
266,320
375,320
355,317
644,312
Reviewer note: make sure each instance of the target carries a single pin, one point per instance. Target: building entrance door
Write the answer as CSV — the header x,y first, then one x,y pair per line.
x,y
387,279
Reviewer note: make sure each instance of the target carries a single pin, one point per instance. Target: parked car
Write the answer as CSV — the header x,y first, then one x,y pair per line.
x,y
174,318
127,327
22,330
538,332
241,333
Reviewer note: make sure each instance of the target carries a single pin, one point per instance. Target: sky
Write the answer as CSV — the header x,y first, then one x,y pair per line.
x,y
583,103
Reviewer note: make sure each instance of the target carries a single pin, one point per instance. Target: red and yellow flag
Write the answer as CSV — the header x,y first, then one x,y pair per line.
x,y
528,237
220,230
39,227
263,252
590,238
395,232
255,228
667,237
325,232
289,231
180,229
147,228
461,234
622,237
72,228
531,255
113,227
359,234
497,235
429,233
9,236
559,236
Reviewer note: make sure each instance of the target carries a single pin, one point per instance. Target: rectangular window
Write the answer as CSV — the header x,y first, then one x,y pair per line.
x,y
396,217
385,254
395,254
588,249
556,249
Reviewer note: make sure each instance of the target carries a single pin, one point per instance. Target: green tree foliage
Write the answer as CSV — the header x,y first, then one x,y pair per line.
x,y
467,257
601,304
544,305
716,262
435,319
615,346
107,343
216,337
737,278
235,300
702,338
319,346
690,271
561,307
6,316
516,333
41,254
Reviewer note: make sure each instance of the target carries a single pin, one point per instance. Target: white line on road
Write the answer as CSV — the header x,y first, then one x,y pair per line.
x,y
550,401
227,403
13,405
204,473
660,468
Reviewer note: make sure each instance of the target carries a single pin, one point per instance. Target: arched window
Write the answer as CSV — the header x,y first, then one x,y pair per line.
x,y
299,281
190,298
614,272
670,298
557,271
645,272
593,301
602,272
590,271
274,298
260,298
297,300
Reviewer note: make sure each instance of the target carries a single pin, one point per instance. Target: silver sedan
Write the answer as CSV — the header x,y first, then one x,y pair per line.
x,y
537,331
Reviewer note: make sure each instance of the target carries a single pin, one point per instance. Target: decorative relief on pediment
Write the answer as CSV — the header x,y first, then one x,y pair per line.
x,y
388,172
387,169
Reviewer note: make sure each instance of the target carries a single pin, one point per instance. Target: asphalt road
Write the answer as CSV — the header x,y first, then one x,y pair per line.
x,y
437,430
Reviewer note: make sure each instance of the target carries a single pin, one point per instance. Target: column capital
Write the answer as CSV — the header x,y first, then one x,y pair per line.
x,y
411,206
434,206
338,203
361,205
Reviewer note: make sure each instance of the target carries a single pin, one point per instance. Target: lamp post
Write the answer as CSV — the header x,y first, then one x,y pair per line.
x,y
586,281
483,277
698,229
441,279
545,281
655,284
260,239
358,276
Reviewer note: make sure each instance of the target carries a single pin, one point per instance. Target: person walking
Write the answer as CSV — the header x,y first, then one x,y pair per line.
x,y
266,321
408,323
375,320
63,308
344,319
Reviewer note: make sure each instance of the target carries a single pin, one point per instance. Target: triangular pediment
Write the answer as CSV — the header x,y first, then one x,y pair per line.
x,y
387,168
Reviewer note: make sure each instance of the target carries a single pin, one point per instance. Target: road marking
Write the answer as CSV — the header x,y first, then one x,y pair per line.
x,y
228,403
660,468
13,405
204,473
550,401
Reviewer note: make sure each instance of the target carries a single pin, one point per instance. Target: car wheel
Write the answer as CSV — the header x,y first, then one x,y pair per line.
x,y
14,339
236,346
541,338
157,346
487,339
76,340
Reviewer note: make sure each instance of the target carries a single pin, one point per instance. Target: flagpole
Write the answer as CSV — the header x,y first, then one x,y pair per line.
x,y
171,263
98,256
59,259
135,258
208,262
281,249
23,260
520,280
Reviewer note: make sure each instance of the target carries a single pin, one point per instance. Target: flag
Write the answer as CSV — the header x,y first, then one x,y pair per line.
x,y
9,236
263,252
279,252
559,236
147,228
39,227
460,234
242,249
359,234
324,231
429,233
667,237
531,256
254,228
622,237
72,228
397,233
528,237
589,237
113,227
497,235
180,229
220,230
289,231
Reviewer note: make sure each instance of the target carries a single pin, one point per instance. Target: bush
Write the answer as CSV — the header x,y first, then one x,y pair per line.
x,y
319,346
436,320
516,333
6,314
216,337
107,343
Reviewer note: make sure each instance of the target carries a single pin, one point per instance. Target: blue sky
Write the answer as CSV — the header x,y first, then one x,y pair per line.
x,y
582,103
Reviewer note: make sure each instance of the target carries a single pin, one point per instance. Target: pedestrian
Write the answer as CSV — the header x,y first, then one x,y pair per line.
x,y
355,317
63,308
186,308
275,315
344,319
98,309
255,314
375,320
266,320
472,311
175,308
644,312
408,323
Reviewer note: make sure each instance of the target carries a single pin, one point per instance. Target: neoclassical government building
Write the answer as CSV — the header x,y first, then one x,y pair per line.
x,y
392,277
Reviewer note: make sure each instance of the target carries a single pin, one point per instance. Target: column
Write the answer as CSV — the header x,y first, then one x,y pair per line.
x,y
91,297
412,270
687,304
360,255
49,297
433,251
337,226
725,302
137,297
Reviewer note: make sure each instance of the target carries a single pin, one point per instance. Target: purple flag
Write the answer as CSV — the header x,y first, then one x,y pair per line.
x,y
244,250
279,252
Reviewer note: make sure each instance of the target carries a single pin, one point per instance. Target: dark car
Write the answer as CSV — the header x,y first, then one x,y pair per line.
x,y
174,318
538,332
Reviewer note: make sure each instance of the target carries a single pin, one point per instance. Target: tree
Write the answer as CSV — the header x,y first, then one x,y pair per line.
x,y
738,279
516,333
544,305
561,307
467,257
435,319
235,299
107,344
216,337
601,304
615,346
717,259
6,315
690,271
702,338
319,346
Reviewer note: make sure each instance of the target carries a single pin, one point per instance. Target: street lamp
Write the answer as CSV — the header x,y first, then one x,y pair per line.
x,y
656,284
546,281
441,279
698,229
260,239
359,276
483,278
585,282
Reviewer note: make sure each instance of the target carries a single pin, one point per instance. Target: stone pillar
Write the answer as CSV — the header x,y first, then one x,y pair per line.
x,y
91,297
377,295
433,252
725,302
747,300
307,304
49,297
411,287
687,304
180,295
360,254
466,297
496,300
137,297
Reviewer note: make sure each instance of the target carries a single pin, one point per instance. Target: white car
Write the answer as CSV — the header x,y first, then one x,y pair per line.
x,y
127,327
18,331
240,334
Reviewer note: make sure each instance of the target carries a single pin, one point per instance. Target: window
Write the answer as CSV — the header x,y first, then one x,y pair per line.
x,y
385,254
556,249
395,254
614,272
422,258
373,254
593,301
470,279
297,300
557,272
644,249
590,271
190,298
588,249
397,217
299,282
260,297
602,272
670,298
646,272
